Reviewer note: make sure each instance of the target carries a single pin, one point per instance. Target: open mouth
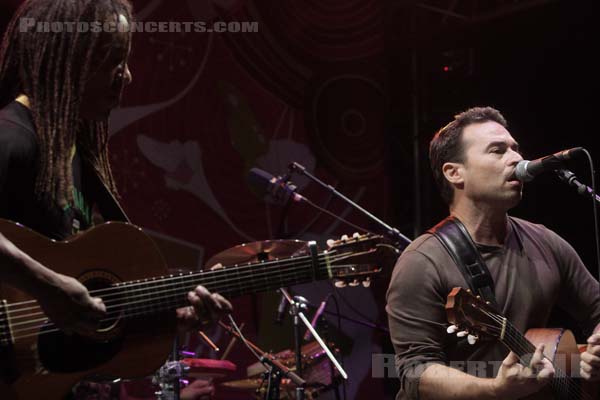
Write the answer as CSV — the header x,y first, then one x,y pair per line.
x,y
513,179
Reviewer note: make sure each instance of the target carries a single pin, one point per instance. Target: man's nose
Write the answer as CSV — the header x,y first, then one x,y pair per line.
x,y
515,156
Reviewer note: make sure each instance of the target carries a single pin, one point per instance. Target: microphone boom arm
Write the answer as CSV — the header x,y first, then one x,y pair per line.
x,y
390,231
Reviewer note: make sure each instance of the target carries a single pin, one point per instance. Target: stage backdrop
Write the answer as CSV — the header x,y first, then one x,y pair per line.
x,y
204,108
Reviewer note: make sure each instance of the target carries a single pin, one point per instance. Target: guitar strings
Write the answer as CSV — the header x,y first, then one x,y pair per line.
x,y
138,311
218,285
147,297
185,278
561,380
118,289
172,277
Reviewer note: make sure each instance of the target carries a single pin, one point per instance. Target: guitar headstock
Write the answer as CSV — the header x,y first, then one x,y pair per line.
x,y
469,313
355,259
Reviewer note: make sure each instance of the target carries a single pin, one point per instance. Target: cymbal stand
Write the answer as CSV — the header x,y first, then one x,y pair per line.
x,y
274,367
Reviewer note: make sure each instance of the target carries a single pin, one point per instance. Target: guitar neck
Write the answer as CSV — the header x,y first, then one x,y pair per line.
x,y
516,342
169,292
562,385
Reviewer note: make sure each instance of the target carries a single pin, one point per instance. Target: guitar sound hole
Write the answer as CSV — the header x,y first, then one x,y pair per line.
x,y
99,285
63,353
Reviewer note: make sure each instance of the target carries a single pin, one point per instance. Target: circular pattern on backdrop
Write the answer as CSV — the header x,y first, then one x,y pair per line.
x,y
345,117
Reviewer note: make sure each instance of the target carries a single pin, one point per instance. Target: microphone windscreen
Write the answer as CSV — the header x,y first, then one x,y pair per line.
x,y
259,180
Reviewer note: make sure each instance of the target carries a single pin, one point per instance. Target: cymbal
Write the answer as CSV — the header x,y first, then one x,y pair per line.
x,y
257,251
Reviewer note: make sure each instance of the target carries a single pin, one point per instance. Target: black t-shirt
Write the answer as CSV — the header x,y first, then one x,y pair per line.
x,y
18,170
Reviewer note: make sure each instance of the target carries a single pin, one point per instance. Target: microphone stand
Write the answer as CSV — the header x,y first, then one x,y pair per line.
x,y
391,232
570,179
368,324
297,304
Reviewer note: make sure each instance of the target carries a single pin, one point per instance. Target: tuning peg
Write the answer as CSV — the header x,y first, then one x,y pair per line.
x,y
340,284
472,339
356,235
330,242
344,237
367,282
354,283
462,333
452,329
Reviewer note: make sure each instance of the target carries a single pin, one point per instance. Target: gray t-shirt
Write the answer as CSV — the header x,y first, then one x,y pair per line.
x,y
534,271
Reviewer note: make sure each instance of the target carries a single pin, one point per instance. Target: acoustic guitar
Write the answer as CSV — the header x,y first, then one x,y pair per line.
x,y
471,314
121,264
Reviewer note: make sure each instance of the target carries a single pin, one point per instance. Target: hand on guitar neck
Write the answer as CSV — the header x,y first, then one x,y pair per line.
x,y
515,381
205,308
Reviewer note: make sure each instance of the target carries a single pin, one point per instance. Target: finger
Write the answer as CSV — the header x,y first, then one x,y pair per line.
x,y
589,376
510,360
586,367
538,356
185,313
546,373
212,308
594,339
225,305
197,302
590,359
216,266
593,349
99,305
584,374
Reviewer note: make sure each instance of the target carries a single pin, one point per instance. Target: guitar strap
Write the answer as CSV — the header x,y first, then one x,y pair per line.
x,y
455,238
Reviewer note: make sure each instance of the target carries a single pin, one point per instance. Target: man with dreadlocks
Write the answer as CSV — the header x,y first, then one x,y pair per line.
x,y
57,89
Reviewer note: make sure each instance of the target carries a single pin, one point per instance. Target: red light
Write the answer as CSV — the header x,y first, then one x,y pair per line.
x,y
446,68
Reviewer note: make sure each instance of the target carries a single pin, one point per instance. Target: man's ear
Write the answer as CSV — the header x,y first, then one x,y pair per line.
x,y
453,173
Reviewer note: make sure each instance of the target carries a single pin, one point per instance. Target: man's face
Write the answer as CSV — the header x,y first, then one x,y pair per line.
x,y
490,157
108,76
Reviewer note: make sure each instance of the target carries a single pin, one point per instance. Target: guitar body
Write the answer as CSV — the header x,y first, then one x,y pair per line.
x,y
48,365
120,264
562,349
470,313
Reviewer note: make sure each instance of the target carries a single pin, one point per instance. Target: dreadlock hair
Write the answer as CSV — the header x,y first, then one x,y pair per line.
x,y
52,68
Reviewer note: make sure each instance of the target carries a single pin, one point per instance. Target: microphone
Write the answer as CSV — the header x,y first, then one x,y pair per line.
x,y
527,170
316,317
277,187
281,309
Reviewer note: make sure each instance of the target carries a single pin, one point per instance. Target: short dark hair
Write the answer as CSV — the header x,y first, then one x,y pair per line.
x,y
446,145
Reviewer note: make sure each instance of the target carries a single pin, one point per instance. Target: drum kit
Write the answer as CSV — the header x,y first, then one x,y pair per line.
x,y
317,370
